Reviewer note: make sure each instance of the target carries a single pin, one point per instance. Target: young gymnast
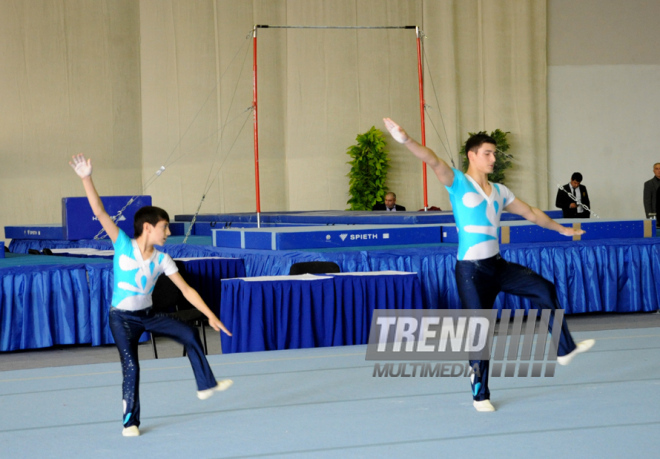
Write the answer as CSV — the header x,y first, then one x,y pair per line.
x,y
136,266
481,273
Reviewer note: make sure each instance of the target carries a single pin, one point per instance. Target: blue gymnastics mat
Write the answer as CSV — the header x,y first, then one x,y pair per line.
x,y
350,236
326,237
326,403
595,229
339,217
40,232
78,220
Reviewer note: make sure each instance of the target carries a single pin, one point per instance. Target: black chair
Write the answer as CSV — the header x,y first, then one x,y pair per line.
x,y
47,251
314,267
168,299
6,249
34,252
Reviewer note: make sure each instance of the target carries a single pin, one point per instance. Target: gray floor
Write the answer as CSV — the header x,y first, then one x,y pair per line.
x,y
326,403
84,355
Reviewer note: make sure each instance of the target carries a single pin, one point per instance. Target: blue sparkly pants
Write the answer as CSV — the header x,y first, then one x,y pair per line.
x,y
480,281
127,327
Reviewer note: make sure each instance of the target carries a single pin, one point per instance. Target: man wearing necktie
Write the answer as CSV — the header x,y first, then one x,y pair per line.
x,y
573,198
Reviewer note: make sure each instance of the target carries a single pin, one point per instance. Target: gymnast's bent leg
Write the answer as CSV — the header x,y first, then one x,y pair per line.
x,y
187,336
522,281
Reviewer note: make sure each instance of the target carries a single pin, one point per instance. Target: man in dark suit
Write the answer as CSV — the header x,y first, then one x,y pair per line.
x,y
651,193
573,198
390,204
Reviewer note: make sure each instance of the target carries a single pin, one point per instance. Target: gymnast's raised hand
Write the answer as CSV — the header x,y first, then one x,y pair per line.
x,y
82,166
396,131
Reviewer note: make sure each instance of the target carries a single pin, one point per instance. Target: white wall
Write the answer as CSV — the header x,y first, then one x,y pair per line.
x,y
69,83
603,99
602,123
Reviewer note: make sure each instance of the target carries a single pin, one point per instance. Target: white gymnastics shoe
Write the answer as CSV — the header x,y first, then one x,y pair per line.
x,y
582,346
131,431
483,406
222,385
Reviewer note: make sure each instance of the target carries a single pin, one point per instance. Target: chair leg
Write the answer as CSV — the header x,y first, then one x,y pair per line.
x,y
206,349
153,343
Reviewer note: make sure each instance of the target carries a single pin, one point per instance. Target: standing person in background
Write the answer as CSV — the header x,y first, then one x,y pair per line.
x,y
651,190
573,198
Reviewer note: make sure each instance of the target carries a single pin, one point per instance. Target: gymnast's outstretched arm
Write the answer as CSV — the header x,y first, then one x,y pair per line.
x,y
442,170
540,218
83,168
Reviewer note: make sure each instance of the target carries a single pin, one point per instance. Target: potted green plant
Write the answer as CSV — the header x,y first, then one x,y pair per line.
x,y
369,165
502,158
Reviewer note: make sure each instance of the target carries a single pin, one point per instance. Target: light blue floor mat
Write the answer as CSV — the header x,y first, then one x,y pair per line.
x,y
326,403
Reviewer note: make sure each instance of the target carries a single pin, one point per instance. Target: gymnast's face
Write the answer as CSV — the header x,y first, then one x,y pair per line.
x,y
483,160
159,233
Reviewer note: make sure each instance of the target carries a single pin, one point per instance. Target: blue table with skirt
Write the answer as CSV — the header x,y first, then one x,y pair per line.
x,y
305,311
49,300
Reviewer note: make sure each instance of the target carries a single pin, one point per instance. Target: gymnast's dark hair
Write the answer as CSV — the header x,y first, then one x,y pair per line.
x,y
477,140
148,214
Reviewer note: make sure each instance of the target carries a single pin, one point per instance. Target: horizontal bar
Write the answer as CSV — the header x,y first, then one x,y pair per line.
x,y
262,26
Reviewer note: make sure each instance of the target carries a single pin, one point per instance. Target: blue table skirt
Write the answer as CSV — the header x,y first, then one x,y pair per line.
x,y
44,307
292,314
609,275
67,302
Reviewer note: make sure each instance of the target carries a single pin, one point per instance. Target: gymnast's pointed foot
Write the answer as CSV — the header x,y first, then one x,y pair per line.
x,y
582,346
222,385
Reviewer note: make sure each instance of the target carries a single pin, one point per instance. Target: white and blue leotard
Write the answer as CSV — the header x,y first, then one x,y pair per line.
x,y
477,216
134,277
